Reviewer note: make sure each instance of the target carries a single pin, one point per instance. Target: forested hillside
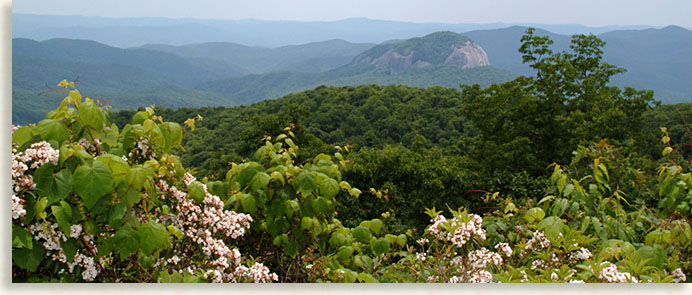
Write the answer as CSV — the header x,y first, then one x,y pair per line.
x,y
211,74
553,177
228,74
310,57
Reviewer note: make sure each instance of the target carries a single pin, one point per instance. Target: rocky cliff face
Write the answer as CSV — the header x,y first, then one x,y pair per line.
x,y
468,56
465,55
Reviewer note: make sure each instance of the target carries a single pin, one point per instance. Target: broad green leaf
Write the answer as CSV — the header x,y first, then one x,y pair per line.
x,y
375,225
70,248
50,129
366,278
249,204
534,215
117,165
306,223
337,239
53,186
153,236
349,276
361,234
21,135
658,237
260,181
137,175
129,197
291,248
656,253
380,246
126,241
92,180
276,175
401,240
246,174
320,205
66,151
29,259
110,135
21,238
172,133
552,226
145,260
344,252
329,188
290,207
304,183
40,208
63,214
218,188
91,115
164,277
196,192
116,212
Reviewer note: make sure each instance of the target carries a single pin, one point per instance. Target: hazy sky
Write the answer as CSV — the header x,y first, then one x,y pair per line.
x,y
586,12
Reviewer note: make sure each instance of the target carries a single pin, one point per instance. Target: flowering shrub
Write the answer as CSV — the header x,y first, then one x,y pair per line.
x,y
92,203
96,204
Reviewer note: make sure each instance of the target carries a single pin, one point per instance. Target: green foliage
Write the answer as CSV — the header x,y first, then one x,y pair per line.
x,y
541,119
118,202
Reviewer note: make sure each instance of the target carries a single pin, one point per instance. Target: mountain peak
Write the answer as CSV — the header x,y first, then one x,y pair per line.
x,y
439,48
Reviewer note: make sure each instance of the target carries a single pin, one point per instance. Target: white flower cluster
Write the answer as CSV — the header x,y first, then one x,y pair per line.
x,y
142,150
481,258
679,276
482,276
554,277
475,269
435,229
18,210
579,255
39,153
75,231
537,243
51,238
258,273
611,274
19,179
461,232
538,263
422,241
35,156
207,224
421,256
504,248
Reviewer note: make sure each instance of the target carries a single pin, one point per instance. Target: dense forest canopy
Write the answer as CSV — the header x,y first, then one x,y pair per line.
x,y
556,177
231,74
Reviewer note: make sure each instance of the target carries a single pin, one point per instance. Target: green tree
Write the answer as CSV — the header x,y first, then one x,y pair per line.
x,y
531,121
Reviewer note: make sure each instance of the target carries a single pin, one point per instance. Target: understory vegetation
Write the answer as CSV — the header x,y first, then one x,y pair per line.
x,y
557,177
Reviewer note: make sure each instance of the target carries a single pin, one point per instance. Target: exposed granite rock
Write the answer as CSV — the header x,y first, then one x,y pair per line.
x,y
468,56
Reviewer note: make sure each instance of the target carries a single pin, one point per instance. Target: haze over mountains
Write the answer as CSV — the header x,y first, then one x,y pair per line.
x,y
130,32
228,71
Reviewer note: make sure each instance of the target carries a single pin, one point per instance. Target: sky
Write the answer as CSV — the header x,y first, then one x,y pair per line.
x,y
585,12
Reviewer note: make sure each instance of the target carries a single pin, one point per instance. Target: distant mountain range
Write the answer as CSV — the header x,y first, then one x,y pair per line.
x,y
223,73
130,32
